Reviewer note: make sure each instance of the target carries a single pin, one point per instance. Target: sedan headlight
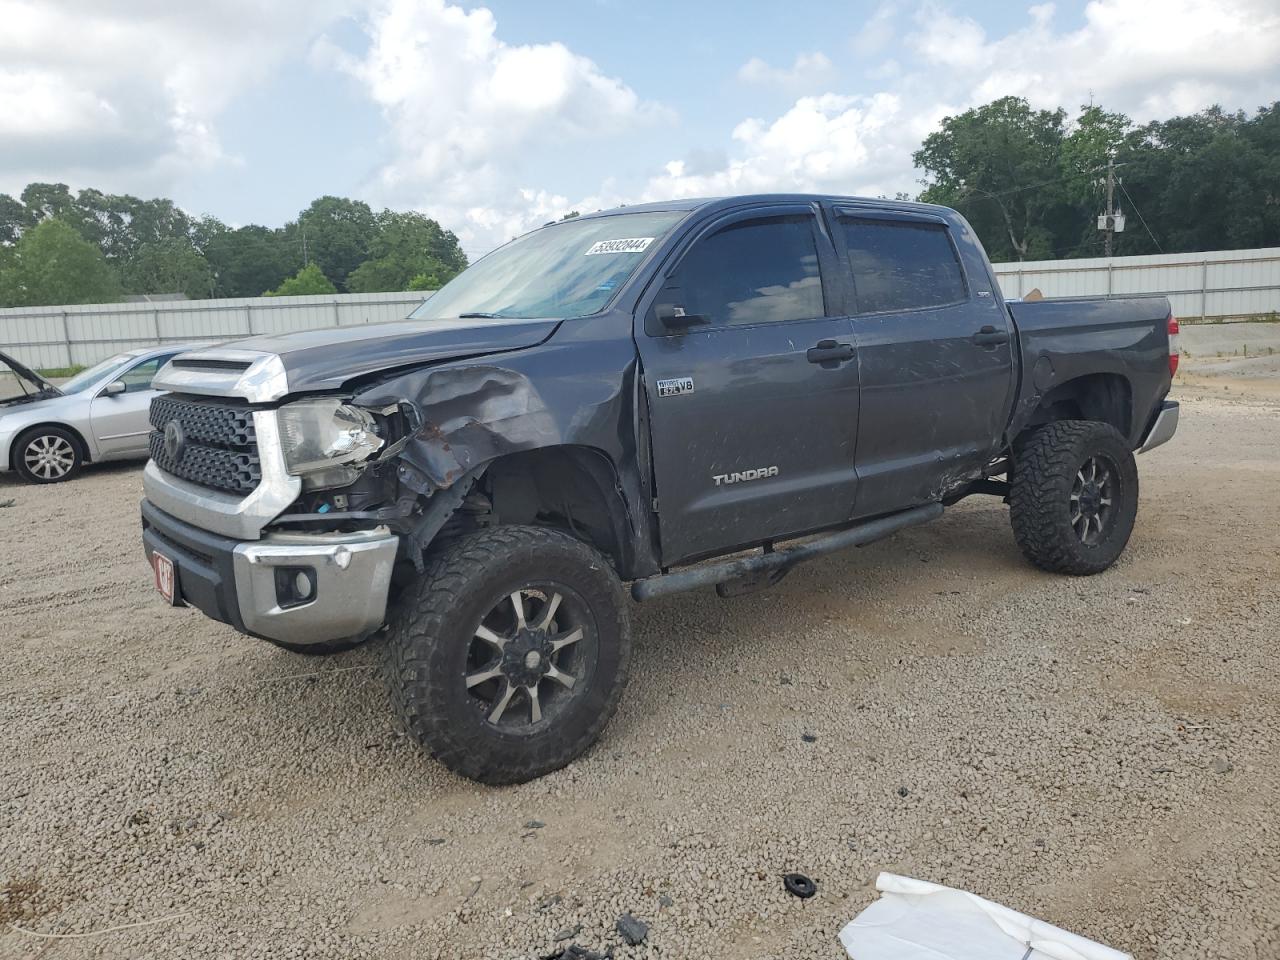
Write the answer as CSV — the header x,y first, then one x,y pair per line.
x,y
323,439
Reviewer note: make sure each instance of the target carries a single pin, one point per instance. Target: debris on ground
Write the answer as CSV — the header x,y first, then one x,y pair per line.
x,y
632,930
798,885
7,503
918,920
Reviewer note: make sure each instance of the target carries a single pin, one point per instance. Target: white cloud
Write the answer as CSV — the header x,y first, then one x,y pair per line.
x,y
877,33
829,142
809,70
464,108
129,93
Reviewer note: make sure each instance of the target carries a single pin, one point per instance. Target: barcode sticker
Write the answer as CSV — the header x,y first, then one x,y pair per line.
x,y
629,245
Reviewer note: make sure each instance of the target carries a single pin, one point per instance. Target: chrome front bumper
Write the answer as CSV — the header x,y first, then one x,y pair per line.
x,y
252,585
350,575
1162,431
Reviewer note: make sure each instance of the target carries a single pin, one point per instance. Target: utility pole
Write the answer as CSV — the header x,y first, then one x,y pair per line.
x,y
1111,203
1111,221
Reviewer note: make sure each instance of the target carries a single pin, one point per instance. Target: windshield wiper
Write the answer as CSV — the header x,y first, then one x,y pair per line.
x,y
481,316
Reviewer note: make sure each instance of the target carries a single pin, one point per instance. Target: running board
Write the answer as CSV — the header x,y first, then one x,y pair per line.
x,y
783,560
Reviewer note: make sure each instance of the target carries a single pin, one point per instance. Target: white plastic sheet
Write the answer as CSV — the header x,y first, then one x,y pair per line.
x,y
918,920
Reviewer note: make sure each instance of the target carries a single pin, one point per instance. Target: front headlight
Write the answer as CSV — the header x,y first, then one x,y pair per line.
x,y
322,439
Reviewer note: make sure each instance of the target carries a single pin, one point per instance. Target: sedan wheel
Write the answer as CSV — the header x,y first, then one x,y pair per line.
x,y
47,455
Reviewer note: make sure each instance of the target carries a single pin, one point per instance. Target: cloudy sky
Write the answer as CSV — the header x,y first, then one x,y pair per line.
x,y
496,117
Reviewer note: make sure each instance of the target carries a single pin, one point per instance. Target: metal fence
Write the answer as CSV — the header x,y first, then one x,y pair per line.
x,y
81,335
1219,284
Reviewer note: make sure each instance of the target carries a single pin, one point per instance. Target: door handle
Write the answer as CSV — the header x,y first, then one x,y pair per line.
x,y
990,336
829,352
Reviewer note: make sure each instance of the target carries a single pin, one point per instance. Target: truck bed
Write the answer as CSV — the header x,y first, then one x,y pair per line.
x,y
1123,339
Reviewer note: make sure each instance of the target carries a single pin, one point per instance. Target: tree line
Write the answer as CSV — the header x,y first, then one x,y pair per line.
x,y
58,247
1029,181
1032,183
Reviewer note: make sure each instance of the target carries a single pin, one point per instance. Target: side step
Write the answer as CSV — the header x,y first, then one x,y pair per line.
x,y
783,560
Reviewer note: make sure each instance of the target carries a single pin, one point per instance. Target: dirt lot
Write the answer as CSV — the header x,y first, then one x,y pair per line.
x,y
1102,753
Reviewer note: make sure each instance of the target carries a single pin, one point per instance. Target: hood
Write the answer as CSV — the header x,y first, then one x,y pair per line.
x,y
37,384
326,359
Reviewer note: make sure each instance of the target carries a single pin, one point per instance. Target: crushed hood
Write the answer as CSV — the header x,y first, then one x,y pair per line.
x,y
326,359
36,383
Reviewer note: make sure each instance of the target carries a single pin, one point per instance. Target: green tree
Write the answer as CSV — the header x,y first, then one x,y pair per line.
x,y
13,219
309,280
168,266
53,264
1000,165
408,246
1208,181
250,259
336,233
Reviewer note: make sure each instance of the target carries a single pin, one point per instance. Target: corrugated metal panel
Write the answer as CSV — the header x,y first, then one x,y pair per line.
x,y
44,337
1219,283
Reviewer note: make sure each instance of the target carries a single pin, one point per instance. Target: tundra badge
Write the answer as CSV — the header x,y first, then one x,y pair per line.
x,y
675,387
738,476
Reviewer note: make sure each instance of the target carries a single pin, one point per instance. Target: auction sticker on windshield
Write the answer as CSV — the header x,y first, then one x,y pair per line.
x,y
629,245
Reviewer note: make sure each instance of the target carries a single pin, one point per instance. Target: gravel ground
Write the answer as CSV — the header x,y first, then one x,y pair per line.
x,y
1102,753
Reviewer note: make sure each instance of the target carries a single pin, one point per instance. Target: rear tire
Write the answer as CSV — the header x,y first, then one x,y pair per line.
x,y
1073,497
47,455
502,690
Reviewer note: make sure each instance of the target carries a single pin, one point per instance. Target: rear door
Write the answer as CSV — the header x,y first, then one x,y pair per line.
x,y
934,358
753,413
120,422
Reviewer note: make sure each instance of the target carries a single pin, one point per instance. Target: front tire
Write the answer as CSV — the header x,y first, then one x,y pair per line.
x,y
1073,497
511,653
47,455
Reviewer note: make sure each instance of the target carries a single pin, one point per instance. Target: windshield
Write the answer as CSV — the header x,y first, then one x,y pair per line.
x,y
568,269
98,372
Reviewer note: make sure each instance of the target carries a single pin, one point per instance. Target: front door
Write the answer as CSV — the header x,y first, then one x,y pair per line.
x,y
753,409
120,422
934,358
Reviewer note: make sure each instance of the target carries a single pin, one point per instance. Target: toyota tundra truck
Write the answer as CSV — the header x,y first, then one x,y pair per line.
x,y
668,396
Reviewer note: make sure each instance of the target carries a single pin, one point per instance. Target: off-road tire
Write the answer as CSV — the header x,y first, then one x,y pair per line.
x,y
325,649
1045,471
57,435
429,643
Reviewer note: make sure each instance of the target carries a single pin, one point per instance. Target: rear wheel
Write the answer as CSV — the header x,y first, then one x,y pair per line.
x,y
511,653
47,455
1074,496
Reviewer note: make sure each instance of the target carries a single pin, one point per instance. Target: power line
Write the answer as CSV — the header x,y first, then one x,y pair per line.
x,y
1141,218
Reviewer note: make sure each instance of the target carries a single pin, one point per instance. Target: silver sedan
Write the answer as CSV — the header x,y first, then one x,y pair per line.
x,y
47,432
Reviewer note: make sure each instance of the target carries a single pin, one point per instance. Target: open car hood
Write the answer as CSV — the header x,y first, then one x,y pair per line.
x,y
37,383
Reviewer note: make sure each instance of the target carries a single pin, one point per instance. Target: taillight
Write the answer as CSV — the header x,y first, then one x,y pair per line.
x,y
1173,345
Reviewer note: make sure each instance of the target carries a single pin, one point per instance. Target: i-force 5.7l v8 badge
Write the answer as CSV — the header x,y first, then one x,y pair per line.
x,y
675,387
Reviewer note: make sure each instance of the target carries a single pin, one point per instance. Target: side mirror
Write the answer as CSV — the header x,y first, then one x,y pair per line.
x,y
673,317
114,388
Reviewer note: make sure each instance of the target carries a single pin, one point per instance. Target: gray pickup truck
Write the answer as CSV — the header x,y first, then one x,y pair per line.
x,y
662,395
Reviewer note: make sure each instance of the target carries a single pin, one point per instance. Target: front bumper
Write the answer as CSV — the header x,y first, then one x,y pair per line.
x,y
252,585
1162,428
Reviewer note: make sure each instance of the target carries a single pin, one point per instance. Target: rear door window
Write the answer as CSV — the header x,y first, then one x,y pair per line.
x,y
902,266
756,271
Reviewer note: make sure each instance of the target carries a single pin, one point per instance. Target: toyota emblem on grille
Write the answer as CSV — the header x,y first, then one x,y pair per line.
x,y
175,440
